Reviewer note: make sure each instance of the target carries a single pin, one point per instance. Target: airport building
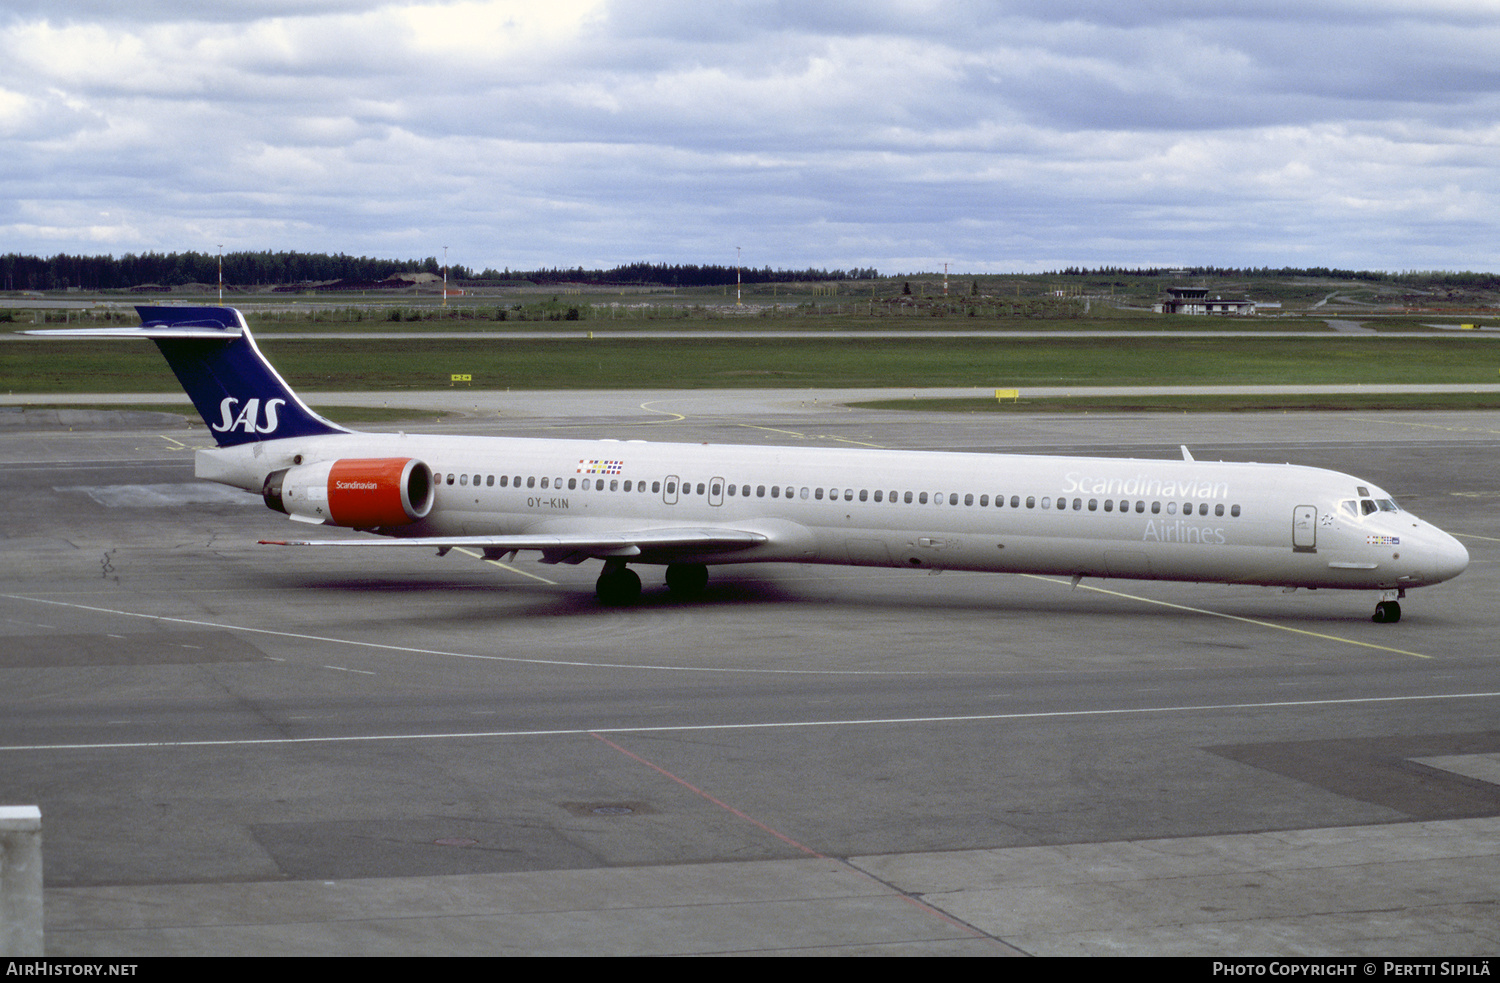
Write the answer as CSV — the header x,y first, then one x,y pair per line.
x,y
1195,300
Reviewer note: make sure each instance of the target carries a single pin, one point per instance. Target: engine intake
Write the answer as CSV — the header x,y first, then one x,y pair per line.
x,y
364,493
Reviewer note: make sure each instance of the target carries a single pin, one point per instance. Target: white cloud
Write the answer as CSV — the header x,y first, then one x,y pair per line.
x,y
889,134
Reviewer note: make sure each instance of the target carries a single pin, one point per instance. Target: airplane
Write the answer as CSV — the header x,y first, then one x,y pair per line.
x,y
687,507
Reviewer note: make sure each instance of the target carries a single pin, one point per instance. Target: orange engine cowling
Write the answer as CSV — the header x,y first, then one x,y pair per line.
x,y
364,493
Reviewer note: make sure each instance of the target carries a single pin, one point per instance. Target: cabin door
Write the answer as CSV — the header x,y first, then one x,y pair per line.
x,y
1305,529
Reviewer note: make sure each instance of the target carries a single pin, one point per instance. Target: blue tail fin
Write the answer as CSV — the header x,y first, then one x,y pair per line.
x,y
237,392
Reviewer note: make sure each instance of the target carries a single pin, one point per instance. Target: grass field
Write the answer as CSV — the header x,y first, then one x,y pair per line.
x,y
1199,404
58,367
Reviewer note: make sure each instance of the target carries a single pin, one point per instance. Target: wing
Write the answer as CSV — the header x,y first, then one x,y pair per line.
x,y
649,545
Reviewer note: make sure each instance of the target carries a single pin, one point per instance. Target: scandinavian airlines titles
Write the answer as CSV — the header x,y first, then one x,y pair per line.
x,y
1145,486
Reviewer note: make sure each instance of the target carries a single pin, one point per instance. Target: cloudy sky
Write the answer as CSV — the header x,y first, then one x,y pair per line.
x,y
1007,135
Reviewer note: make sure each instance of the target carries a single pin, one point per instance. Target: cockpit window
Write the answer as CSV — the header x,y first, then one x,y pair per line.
x,y
1368,506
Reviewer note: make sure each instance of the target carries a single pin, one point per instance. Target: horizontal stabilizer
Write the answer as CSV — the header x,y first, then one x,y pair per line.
x,y
149,333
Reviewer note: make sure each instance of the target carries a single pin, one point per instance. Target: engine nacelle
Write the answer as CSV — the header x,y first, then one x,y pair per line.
x,y
360,492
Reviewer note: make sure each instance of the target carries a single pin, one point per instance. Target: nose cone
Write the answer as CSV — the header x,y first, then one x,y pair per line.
x,y
1450,558
1431,556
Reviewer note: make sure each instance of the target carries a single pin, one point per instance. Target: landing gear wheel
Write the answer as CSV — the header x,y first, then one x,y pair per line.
x,y
1387,612
687,579
618,585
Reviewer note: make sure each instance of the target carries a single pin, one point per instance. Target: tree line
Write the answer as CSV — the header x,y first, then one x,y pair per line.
x,y
679,275
1451,278
263,269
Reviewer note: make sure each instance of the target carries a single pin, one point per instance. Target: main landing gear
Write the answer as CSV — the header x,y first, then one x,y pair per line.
x,y
687,579
618,584
1388,611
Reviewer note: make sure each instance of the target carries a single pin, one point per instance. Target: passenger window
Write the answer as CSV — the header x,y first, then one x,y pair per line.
x,y
655,487
1093,505
614,485
671,488
907,499
922,499
818,494
1203,508
984,500
775,491
878,495
1234,510
864,495
505,481
1046,502
1015,502
1140,506
1171,508
953,498
1109,505
1031,502
627,486
1219,510
760,491
1156,508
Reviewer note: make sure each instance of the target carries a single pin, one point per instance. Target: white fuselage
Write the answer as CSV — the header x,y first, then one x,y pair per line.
x,y
1244,523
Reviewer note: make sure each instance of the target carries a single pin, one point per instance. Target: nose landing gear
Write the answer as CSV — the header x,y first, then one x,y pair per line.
x,y
1388,611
